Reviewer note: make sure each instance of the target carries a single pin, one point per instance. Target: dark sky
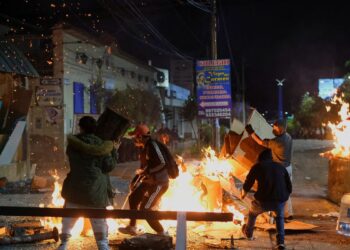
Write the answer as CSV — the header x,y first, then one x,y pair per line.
x,y
298,41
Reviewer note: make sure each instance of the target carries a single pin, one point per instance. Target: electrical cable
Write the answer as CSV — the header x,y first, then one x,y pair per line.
x,y
120,20
229,43
151,27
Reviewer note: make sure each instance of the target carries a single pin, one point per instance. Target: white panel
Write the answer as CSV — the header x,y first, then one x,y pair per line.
x,y
12,144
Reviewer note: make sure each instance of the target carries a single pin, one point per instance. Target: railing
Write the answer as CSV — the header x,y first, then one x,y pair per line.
x,y
180,216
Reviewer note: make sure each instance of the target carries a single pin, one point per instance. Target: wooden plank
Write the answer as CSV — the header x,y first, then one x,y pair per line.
x,y
292,226
11,146
116,213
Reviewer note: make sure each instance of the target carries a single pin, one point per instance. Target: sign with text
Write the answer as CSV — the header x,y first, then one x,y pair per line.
x,y
214,88
48,95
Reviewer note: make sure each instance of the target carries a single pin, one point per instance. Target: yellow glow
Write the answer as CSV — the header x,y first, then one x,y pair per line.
x,y
185,193
341,131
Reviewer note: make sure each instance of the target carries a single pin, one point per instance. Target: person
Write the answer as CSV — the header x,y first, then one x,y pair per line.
x,y
151,180
274,188
87,184
281,147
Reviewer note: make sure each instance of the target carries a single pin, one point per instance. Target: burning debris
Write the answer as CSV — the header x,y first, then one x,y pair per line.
x,y
27,232
339,156
340,131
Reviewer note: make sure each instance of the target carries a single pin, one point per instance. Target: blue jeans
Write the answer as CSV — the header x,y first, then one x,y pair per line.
x,y
257,208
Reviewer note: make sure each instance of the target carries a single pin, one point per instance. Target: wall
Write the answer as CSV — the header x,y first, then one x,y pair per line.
x,y
118,71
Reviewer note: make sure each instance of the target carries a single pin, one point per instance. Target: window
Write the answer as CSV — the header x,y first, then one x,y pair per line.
x,y
78,97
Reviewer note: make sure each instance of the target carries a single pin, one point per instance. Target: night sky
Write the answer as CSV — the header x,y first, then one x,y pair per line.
x,y
298,41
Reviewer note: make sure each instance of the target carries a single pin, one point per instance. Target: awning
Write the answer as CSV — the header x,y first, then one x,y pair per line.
x,y
12,60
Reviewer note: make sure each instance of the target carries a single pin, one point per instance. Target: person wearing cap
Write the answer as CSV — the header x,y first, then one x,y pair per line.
x,y
151,180
281,147
87,184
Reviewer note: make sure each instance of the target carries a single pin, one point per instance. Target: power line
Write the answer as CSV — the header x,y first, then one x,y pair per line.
x,y
151,27
229,43
121,21
187,26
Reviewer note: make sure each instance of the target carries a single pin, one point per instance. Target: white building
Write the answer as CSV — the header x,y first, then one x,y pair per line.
x,y
77,59
175,99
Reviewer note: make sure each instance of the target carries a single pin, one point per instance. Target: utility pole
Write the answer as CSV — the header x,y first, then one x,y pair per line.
x,y
243,93
214,55
280,97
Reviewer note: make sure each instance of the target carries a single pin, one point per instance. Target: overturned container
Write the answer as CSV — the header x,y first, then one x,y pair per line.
x,y
111,125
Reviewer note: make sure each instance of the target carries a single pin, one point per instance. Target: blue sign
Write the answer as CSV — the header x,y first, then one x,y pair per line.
x,y
214,88
327,87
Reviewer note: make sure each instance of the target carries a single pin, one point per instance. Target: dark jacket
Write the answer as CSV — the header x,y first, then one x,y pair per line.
x,y
273,180
90,160
153,162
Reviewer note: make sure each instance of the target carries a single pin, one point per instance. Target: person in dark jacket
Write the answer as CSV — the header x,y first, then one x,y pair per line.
x,y
87,184
151,180
281,148
274,188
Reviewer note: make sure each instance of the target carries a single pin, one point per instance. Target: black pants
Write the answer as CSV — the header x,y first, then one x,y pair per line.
x,y
145,196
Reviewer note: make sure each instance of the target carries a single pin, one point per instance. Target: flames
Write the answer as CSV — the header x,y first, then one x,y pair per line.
x,y
340,131
185,193
58,202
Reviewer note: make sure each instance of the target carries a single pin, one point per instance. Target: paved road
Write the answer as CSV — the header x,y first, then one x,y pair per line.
x,y
309,197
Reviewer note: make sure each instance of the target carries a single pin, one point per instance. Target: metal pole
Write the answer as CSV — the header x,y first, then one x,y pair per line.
x,y
214,54
243,94
116,213
181,231
280,98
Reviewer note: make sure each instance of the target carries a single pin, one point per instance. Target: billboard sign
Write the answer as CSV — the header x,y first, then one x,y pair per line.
x,y
327,87
214,88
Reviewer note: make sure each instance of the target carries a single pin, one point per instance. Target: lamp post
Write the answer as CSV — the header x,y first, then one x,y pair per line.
x,y
280,97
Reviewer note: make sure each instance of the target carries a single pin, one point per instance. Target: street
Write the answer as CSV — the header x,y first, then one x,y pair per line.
x,y
309,199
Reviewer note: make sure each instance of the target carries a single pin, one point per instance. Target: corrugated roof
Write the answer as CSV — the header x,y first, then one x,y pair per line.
x,y
12,60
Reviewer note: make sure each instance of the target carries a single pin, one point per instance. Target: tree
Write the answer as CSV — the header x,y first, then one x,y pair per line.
x,y
312,114
137,104
190,112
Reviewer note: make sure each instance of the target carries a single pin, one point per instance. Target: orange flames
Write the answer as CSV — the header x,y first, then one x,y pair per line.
x,y
184,193
341,131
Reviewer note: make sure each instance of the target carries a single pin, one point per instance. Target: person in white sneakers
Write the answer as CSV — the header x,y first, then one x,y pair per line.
x,y
87,184
151,180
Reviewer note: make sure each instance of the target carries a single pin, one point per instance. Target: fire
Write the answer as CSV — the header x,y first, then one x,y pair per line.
x,y
58,202
341,131
185,193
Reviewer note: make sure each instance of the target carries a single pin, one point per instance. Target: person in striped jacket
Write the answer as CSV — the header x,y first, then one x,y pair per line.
x,y
151,180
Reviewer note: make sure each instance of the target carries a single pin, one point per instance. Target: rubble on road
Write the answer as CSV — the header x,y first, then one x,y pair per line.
x,y
147,241
26,232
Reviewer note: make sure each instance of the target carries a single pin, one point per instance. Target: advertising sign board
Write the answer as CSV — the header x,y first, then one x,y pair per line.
x,y
214,88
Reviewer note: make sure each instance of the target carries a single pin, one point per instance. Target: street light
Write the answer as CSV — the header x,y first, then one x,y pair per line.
x,y
280,98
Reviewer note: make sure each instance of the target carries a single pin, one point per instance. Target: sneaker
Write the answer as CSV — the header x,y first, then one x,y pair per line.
x,y
288,218
163,233
62,246
244,232
280,247
128,230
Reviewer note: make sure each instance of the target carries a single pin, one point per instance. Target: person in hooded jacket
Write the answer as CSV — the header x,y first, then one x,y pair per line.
x,y
151,180
282,149
87,185
274,188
